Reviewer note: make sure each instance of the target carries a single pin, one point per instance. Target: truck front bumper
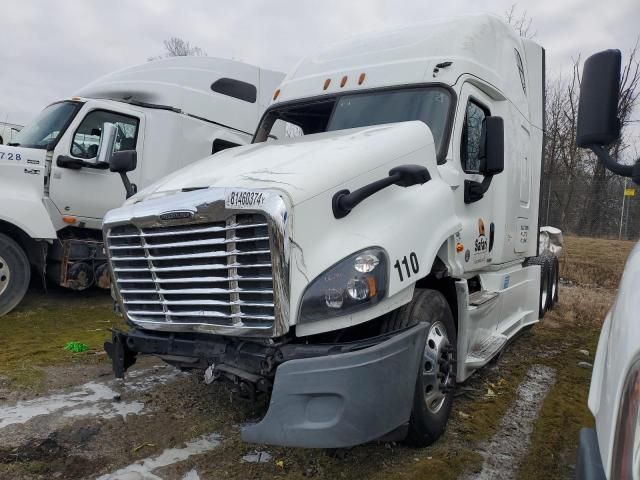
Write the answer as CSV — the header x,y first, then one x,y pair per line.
x,y
324,396
342,400
589,461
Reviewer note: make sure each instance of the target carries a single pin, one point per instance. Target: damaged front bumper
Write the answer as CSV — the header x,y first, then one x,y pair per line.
x,y
323,396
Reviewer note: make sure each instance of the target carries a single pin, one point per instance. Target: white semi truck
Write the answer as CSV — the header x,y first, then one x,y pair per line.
x,y
55,187
359,268
612,449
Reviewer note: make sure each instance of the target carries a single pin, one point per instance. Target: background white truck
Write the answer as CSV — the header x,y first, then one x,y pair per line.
x,y
54,190
612,450
8,131
358,269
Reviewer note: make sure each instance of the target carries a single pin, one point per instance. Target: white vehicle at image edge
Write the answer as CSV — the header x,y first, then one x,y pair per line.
x,y
612,450
55,182
358,268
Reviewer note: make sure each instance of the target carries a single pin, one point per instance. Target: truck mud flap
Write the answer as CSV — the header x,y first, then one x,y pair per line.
x,y
342,400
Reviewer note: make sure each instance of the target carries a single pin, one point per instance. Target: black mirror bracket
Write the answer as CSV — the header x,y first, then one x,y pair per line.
x,y
631,171
403,176
474,191
129,187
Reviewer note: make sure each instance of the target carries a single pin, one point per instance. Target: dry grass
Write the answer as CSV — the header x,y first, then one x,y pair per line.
x,y
593,261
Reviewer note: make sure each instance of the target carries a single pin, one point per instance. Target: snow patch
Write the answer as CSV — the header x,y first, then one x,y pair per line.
x,y
508,446
257,457
92,398
143,469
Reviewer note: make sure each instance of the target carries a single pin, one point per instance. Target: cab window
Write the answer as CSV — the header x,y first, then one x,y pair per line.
x,y
473,135
87,137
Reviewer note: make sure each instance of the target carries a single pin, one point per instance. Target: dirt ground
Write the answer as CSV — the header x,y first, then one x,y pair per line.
x,y
62,415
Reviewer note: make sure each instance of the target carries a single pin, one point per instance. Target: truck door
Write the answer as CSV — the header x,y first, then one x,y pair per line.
x,y
479,217
90,191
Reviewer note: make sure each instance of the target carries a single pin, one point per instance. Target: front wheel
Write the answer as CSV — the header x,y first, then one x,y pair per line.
x,y
15,273
436,375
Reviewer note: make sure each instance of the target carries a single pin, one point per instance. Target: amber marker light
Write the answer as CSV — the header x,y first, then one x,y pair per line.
x,y
276,94
459,247
343,82
69,219
326,83
371,283
361,78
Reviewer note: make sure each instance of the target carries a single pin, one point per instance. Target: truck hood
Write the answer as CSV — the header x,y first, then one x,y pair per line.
x,y
301,168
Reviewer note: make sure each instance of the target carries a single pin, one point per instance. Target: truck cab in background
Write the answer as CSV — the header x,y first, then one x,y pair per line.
x,y
612,449
54,191
356,269
8,131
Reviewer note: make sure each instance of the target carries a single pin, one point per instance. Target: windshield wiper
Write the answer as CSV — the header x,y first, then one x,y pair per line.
x,y
13,144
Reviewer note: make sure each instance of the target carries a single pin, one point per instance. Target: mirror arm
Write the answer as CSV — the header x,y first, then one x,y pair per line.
x,y
344,200
474,191
128,186
631,171
610,163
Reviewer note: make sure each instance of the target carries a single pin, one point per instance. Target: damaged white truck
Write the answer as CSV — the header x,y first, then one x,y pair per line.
x,y
55,183
359,268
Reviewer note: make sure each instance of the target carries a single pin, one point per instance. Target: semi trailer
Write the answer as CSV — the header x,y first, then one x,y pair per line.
x,y
55,187
358,268
612,449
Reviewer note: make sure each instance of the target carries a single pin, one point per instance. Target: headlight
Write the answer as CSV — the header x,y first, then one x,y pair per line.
x,y
626,445
354,283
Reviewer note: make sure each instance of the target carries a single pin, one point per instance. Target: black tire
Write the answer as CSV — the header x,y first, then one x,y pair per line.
x,y
435,379
544,302
15,273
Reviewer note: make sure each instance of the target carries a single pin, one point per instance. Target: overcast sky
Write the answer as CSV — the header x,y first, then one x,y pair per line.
x,y
48,50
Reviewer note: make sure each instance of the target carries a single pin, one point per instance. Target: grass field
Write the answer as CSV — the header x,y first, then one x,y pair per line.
x,y
35,333
593,261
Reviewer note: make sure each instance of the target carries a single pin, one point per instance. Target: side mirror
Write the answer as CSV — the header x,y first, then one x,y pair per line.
x,y
599,94
123,162
598,123
107,139
494,146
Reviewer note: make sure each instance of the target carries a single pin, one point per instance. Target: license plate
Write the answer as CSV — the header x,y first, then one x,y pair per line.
x,y
240,199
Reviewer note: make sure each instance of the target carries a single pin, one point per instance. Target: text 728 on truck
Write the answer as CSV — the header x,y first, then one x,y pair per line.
x,y
360,267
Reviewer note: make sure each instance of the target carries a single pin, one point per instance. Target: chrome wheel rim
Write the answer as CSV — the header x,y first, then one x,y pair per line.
x,y
554,286
436,367
5,275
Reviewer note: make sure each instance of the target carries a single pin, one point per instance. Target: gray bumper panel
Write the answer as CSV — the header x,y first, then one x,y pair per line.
x,y
589,462
343,400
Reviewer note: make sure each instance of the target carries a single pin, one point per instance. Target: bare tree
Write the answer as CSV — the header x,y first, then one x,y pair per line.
x,y
521,23
177,47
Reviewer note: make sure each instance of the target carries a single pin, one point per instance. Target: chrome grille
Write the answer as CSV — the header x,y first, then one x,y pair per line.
x,y
216,273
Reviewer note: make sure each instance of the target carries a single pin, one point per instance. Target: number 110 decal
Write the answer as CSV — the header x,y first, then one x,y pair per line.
x,y
413,260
